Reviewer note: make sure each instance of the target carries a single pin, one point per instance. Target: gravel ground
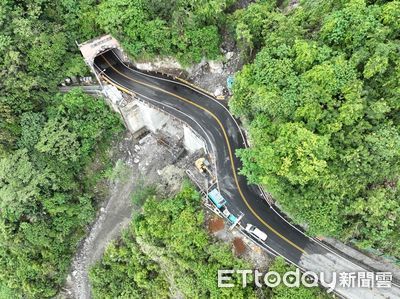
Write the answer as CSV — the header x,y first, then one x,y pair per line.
x,y
150,162
146,161
209,75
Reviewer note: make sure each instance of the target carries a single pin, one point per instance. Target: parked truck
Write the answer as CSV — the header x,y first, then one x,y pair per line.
x,y
220,202
216,198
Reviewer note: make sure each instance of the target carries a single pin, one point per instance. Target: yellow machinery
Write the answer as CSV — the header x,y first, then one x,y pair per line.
x,y
202,165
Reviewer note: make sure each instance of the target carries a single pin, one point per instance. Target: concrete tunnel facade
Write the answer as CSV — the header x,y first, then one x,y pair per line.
x,y
136,114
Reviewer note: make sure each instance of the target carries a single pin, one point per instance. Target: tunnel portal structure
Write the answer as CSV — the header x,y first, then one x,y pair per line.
x,y
96,46
136,113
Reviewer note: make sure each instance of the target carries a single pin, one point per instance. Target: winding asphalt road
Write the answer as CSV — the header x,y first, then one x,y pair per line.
x,y
220,130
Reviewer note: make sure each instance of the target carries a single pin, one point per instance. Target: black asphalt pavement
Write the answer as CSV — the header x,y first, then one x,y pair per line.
x,y
213,122
217,126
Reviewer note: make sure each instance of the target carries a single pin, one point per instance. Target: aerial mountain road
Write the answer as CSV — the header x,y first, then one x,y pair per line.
x,y
223,136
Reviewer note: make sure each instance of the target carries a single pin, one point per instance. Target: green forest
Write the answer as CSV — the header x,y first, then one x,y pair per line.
x,y
319,95
166,247
167,250
47,146
49,141
321,100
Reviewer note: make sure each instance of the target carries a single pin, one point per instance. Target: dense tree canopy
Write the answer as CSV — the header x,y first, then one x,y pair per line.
x,y
37,43
321,100
44,202
283,292
37,50
166,249
166,252
185,29
47,141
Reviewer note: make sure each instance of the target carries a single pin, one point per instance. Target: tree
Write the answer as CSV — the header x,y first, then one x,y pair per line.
x,y
19,186
57,141
319,99
186,30
166,249
282,292
48,141
44,201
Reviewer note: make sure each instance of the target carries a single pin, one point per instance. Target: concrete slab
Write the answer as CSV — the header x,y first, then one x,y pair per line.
x,y
91,48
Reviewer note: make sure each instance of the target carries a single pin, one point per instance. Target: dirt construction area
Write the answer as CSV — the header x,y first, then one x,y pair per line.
x,y
142,162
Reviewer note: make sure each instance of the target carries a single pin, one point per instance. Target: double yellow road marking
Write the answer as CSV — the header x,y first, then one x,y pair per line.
x,y
227,142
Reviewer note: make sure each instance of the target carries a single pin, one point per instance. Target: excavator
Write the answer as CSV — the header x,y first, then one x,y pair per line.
x,y
203,165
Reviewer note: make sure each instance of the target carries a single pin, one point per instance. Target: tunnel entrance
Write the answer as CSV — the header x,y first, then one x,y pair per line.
x,y
97,46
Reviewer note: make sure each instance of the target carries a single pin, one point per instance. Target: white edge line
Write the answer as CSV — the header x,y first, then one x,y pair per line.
x,y
183,113
188,86
267,247
237,125
246,146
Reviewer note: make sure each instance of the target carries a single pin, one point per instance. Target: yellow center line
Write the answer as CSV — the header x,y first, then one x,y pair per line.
x,y
229,149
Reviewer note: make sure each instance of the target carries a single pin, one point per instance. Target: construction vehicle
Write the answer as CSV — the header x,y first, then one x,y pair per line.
x,y
220,203
202,165
217,199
